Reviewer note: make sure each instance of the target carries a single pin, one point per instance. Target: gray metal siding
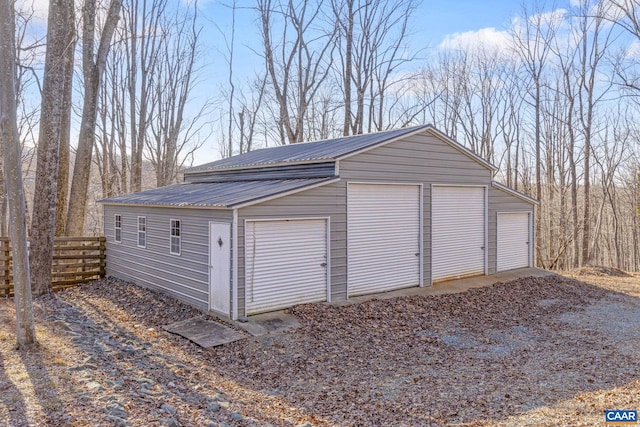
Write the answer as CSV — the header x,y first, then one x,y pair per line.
x,y
184,276
501,201
313,170
418,158
327,201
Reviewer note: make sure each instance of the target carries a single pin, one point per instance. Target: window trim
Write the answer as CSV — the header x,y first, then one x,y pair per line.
x,y
117,219
142,232
172,236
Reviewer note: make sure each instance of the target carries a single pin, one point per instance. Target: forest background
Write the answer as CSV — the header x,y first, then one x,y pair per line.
x,y
116,96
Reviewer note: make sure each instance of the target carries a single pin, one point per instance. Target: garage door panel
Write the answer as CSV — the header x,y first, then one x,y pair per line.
x,y
513,241
457,231
383,237
285,263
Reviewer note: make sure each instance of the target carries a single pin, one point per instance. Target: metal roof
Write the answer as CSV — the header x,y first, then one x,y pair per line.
x,y
302,152
216,195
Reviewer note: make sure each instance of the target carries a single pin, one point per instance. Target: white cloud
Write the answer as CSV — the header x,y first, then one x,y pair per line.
x,y
553,18
633,51
485,38
39,9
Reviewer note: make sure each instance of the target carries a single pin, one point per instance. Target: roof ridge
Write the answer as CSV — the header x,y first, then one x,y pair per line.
x,y
303,152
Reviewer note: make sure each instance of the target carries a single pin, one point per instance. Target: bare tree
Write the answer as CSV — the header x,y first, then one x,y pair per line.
x,y
532,42
595,39
371,46
173,137
93,65
297,63
25,329
54,122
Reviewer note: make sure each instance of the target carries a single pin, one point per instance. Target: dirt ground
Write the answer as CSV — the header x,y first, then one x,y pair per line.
x,y
552,351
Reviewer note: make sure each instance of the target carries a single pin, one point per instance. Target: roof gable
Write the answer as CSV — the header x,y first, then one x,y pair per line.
x,y
326,150
306,152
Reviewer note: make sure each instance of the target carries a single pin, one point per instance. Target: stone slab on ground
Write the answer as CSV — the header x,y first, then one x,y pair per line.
x,y
265,323
205,333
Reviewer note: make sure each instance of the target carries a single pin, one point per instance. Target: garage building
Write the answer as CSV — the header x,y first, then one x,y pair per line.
x,y
321,221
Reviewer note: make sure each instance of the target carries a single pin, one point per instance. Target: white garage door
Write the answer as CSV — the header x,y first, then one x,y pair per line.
x,y
285,263
513,240
457,232
383,237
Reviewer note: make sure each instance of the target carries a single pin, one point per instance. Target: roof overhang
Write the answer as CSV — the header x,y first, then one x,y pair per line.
x,y
312,183
258,166
515,193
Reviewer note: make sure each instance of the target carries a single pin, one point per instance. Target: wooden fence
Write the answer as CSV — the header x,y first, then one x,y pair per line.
x,y
75,260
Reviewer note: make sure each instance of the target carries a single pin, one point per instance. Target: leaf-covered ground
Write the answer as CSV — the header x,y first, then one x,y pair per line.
x,y
536,351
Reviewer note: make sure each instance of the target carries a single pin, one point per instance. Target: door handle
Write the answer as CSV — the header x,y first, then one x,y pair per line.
x,y
324,264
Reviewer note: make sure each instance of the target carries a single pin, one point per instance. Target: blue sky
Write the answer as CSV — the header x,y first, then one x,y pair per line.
x,y
432,23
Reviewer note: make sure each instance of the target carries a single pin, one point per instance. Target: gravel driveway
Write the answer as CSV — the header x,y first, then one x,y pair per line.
x,y
534,351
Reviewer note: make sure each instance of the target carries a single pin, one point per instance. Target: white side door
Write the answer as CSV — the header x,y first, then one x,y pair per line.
x,y
220,267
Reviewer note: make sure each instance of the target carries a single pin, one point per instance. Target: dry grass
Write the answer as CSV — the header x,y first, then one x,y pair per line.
x,y
532,352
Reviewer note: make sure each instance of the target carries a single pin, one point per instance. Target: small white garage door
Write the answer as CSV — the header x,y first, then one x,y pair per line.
x,y
457,232
513,240
383,237
285,263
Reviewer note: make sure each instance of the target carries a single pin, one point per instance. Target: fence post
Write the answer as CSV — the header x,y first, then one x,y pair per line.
x,y
103,256
6,263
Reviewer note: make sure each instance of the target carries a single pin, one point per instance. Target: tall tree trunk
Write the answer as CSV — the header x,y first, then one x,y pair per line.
x,y
56,88
586,214
93,69
25,329
65,138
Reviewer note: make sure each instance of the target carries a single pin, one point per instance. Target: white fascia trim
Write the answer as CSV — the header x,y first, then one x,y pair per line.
x,y
486,230
515,193
148,205
262,165
421,236
234,266
328,244
384,183
464,150
286,218
285,193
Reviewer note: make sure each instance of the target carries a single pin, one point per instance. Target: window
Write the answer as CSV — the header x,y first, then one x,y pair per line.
x,y
117,229
175,237
142,231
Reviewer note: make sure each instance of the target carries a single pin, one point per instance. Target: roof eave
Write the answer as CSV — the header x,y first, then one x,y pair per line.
x,y
160,205
515,193
262,165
